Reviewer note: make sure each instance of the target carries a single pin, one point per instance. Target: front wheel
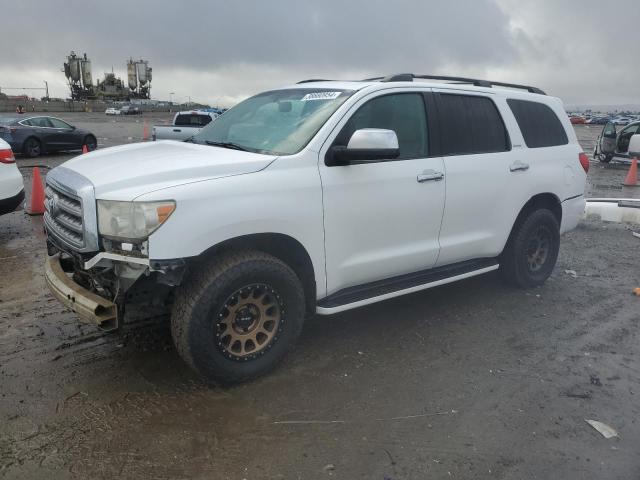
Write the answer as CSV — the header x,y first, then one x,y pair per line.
x,y
91,142
236,317
532,250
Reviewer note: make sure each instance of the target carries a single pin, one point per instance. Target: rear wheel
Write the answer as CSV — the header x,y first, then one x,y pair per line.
x,y
32,147
532,250
235,318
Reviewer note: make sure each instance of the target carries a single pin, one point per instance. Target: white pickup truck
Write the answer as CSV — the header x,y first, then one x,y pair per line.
x,y
315,198
185,125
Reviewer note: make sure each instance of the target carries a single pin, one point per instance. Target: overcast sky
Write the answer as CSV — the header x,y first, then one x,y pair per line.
x,y
222,51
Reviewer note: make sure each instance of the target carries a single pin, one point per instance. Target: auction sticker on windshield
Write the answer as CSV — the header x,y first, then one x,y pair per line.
x,y
320,96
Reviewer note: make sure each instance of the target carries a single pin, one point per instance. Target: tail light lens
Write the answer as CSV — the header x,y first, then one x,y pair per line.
x,y
6,156
584,161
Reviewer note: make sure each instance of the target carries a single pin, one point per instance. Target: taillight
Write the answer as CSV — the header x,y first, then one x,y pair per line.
x,y
584,161
6,156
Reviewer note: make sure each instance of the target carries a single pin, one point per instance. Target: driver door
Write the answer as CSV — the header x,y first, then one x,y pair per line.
x,y
382,218
64,136
607,140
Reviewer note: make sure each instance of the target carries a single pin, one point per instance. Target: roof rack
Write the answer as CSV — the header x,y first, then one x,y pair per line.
x,y
409,77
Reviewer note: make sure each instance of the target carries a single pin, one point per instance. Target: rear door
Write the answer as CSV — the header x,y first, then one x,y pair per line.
x,y
485,176
44,131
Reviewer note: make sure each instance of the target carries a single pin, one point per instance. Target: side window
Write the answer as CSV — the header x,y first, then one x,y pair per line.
x,y
192,120
26,123
609,130
540,126
41,122
57,123
404,113
471,124
630,129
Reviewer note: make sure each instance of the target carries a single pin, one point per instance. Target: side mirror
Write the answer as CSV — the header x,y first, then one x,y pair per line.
x,y
634,146
365,145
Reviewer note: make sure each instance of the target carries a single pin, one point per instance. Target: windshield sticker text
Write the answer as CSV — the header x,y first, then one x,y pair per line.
x,y
320,96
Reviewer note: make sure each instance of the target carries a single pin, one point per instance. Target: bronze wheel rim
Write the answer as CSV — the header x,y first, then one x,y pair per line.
x,y
539,248
249,322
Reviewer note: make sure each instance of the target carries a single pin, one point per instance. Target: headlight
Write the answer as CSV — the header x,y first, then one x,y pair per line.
x,y
132,220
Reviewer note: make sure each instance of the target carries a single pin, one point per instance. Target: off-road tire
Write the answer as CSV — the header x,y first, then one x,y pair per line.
x,y
32,147
515,268
198,301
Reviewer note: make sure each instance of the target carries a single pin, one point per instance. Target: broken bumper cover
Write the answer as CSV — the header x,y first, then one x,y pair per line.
x,y
89,306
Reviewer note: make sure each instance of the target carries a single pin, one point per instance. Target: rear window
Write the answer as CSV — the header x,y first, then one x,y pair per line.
x,y
192,120
471,124
540,126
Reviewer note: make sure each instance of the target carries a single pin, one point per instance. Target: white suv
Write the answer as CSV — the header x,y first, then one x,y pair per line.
x,y
315,198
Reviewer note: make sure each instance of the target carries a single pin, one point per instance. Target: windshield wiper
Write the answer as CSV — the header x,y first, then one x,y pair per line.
x,y
231,145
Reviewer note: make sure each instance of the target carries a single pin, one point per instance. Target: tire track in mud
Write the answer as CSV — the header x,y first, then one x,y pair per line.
x,y
189,415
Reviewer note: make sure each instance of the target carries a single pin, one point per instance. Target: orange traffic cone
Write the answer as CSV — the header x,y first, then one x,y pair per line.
x,y
37,194
85,149
145,132
632,176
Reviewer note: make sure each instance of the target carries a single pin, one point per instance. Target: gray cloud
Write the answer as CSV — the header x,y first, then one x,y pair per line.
x,y
221,51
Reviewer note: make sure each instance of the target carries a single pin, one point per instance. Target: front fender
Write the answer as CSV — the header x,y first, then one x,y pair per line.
x,y
281,201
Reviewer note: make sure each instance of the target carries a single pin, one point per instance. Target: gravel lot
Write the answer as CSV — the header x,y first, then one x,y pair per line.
x,y
469,380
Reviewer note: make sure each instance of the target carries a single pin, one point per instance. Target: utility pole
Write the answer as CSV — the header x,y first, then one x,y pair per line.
x,y
46,87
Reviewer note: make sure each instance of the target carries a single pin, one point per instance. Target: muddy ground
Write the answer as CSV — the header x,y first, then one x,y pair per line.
x,y
469,380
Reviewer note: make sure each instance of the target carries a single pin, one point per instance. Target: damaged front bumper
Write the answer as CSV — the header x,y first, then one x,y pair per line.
x,y
88,305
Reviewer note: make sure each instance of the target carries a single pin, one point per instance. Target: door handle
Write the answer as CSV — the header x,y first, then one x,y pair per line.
x,y
430,175
519,167
177,130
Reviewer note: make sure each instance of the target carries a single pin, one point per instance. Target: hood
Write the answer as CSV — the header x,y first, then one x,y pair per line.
x,y
128,171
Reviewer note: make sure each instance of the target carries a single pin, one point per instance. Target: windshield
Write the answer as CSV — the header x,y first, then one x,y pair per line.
x,y
280,122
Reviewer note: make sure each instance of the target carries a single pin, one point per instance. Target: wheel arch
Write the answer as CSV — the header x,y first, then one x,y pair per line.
x,y
281,246
34,137
547,200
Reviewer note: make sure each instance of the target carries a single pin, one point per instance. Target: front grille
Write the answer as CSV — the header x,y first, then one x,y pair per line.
x,y
63,216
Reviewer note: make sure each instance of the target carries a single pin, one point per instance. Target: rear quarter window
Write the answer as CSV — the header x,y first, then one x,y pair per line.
x,y
192,120
471,125
540,126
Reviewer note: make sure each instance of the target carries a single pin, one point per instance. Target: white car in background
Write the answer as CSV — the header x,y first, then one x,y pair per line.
x,y
11,185
112,111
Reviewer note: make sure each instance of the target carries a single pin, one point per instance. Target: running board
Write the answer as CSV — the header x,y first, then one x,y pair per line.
x,y
372,292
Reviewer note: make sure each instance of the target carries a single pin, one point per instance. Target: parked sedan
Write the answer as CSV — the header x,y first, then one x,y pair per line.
x,y
11,184
35,135
112,111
